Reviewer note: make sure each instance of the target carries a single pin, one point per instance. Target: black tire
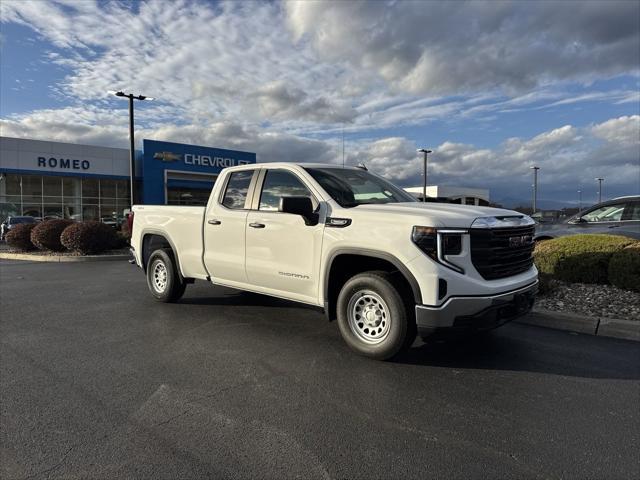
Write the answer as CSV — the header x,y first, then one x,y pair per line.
x,y
165,287
395,331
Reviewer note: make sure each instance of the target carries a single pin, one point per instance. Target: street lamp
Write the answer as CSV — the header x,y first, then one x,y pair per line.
x,y
579,200
600,180
424,184
132,166
535,187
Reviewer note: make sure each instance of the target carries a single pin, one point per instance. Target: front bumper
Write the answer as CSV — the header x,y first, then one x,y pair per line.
x,y
476,312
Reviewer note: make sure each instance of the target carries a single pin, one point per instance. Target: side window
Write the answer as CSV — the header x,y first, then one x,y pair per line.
x,y
632,212
236,193
280,183
609,213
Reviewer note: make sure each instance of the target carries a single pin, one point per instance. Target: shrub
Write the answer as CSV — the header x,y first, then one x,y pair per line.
x,y
579,258
624,268
125,231
19,237
46,235
546,284
89,237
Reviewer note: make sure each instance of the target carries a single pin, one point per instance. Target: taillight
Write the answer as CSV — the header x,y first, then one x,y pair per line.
x,y
130,222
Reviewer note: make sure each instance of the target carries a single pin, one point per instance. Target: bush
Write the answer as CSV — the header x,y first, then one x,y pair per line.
x,y
125,231
579,258
89,238
624,268
46,235
19,237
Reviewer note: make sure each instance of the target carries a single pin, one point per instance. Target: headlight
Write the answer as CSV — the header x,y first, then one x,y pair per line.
x,y
439,243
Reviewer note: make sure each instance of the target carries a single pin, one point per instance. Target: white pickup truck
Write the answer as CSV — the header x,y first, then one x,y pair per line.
x,y
343,239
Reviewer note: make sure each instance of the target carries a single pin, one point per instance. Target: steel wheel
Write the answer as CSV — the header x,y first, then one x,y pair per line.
x,y
368,316
159,274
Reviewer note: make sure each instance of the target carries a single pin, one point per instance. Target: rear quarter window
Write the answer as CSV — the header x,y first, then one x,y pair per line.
x,y
235,194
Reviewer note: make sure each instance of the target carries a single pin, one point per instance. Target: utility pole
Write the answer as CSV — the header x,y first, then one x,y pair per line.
x,y
424,183
535,188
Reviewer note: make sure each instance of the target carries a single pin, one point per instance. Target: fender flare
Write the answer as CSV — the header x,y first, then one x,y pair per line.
x,y
363,252
160,233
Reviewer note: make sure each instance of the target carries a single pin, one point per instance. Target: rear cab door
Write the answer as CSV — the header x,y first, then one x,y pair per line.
x,y
224,228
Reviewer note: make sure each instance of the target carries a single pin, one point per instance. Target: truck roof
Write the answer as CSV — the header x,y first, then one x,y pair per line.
x,y
251,166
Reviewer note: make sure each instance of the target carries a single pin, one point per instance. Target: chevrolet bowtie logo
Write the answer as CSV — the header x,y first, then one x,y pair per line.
x,y
167,156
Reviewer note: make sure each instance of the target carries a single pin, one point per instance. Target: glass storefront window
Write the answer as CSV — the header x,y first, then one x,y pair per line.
x,y
52,186
52,210
9,205
107,189
72,209
108,211
12,183
32,210
71,187
31,185
63,197
122,188
90,212
90,188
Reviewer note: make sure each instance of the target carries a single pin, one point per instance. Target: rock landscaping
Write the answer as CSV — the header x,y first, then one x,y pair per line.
x,y
603,301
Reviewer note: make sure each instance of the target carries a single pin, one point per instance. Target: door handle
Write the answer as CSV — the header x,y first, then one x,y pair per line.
x,y
256,225
214,222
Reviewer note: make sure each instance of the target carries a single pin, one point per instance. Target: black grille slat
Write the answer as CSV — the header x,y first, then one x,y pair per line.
x,y
494,257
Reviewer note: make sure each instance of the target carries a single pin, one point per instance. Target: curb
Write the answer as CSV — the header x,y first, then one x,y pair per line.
x,y
600,326
62,258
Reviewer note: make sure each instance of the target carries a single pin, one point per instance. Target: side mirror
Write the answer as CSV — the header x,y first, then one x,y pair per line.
x,y
299,206
575,221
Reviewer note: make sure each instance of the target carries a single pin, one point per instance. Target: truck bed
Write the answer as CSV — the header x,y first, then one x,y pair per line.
x,y
183,225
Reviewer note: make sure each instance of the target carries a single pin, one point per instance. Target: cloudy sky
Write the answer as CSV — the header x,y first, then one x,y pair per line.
x,y
491,87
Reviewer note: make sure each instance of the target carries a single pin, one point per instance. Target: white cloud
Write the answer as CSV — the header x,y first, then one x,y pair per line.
x,y
301,66
438,47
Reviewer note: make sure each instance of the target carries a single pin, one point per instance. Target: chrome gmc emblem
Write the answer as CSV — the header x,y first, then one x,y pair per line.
x,y
520,240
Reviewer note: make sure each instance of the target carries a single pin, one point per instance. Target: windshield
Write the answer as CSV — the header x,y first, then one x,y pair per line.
x,y
351,188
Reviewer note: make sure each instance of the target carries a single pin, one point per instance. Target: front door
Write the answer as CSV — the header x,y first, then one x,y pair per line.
x,y
283,254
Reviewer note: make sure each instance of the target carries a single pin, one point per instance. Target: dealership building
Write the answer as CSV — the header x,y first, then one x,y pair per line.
x,y
85,182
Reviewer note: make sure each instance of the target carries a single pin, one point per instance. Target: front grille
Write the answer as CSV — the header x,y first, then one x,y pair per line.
x,y
502,252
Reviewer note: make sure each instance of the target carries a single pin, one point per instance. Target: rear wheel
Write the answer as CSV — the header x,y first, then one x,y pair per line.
x,y
374,316
162,277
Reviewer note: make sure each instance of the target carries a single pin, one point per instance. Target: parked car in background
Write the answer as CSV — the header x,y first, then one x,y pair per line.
x,y
620,216
11,222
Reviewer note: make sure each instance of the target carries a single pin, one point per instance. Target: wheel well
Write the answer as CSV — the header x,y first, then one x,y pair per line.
x,y
152,242
345,266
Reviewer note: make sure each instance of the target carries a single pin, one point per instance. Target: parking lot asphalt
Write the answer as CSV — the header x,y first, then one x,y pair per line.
x,y
100,381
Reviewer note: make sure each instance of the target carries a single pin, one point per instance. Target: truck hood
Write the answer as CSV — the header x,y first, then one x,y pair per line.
x,y
438,214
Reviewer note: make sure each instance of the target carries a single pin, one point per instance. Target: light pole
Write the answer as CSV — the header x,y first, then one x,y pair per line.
x,y
600,180
579,200
535,187
424,184
132,153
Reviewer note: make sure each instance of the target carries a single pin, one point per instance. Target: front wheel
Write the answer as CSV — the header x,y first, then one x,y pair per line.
x,y
374,317
162,277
